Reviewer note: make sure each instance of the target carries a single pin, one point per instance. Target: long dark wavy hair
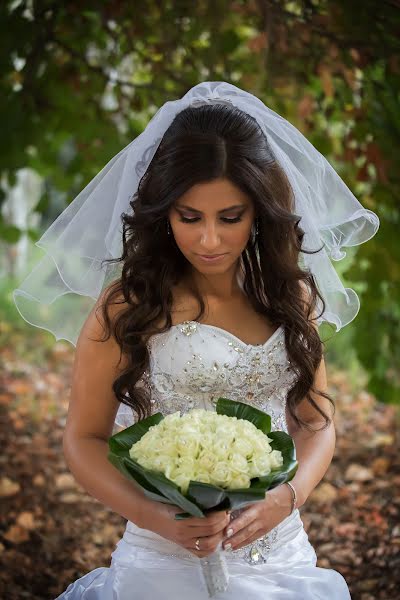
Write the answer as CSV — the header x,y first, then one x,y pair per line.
x,y
201,144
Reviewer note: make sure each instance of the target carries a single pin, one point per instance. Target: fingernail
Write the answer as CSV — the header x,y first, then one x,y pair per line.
x,y
227,546
229,532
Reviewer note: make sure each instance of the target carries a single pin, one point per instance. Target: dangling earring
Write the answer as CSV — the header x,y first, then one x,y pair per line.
x,y
168,228
255,231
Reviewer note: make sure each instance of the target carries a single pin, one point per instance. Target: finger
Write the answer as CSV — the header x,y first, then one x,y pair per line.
x,y
242,521
205,530
207,544
200,532
215,518
236,539
252,538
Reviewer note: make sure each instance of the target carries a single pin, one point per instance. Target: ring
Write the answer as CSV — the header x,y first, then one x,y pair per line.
x,y
197,544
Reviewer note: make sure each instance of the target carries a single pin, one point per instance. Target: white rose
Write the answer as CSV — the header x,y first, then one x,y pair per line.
x,y
239,481
244,427
186,464
226,431
221,475
171,418
202,476
221,449
189,427
206,461
243,447
276,459
238,464
188,444
161,462
181,480
261,465
145,462
260,445
170,448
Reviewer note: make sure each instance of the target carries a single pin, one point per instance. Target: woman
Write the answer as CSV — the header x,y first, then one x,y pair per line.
x,y
177,329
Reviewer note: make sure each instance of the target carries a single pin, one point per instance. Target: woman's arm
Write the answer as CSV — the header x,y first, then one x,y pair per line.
x,y
314,451
90,422
87,460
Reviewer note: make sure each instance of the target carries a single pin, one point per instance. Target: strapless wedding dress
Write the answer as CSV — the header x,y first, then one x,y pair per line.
x,y
191,366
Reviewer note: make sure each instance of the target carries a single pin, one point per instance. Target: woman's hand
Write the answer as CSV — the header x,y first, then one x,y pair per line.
x,y
160,518
259,518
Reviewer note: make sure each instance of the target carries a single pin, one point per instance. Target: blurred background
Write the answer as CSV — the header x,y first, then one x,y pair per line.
x,y
78,82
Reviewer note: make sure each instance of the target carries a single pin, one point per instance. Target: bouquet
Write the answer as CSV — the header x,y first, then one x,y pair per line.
x,y
206,460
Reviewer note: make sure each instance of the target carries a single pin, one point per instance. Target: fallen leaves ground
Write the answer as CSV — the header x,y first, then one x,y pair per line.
x,y
52,531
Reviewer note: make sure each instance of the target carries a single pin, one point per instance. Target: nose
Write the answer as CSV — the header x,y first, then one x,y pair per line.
x,y
210,239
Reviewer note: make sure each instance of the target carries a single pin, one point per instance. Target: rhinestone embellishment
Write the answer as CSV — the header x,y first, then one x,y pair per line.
x,y
188,327
260,549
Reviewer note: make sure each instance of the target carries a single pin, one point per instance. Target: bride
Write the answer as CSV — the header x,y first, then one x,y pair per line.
x,y
217,294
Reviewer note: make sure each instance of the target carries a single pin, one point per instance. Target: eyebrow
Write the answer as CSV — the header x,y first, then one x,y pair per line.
x,y
220,211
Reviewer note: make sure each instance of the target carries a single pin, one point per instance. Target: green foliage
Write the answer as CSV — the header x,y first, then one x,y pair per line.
x,y
34,344
8,311
9,233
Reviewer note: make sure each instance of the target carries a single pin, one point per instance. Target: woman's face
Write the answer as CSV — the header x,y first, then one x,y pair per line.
x,y
212,218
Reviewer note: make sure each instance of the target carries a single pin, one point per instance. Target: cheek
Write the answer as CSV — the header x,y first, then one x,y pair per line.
x,y
184,235
243,233
237,236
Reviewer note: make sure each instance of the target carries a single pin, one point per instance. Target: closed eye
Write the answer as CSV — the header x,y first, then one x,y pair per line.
x,y
225,219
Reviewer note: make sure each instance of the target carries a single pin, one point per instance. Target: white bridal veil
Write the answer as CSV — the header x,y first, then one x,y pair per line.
x,y
62,288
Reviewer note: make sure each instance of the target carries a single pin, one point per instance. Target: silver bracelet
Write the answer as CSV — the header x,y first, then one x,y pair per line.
x,y
294,498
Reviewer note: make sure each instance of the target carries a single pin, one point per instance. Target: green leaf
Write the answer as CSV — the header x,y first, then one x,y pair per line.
x,y
284,443
244,496
149,490
233,408
165,486
206,495
9,233
127,437
33,234
43,204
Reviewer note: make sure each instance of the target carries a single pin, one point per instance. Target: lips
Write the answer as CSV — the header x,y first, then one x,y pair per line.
x,y
210,255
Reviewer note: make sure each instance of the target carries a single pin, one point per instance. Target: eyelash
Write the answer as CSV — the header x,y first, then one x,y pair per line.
x,y
225,219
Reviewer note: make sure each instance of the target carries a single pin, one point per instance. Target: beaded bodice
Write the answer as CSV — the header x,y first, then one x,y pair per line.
x,y
193,364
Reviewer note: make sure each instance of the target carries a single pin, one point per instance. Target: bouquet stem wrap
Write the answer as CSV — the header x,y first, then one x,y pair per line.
x,y
215,571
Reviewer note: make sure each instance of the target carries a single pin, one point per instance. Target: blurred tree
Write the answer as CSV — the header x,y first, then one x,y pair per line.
x,y
79,81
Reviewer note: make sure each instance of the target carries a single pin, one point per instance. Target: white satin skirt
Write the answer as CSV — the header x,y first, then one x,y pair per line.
x,y
146,566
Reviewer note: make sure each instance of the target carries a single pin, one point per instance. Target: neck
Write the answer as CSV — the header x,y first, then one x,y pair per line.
x,y
221,286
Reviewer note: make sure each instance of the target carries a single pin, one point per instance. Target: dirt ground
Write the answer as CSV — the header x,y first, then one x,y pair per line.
x,y
52,531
